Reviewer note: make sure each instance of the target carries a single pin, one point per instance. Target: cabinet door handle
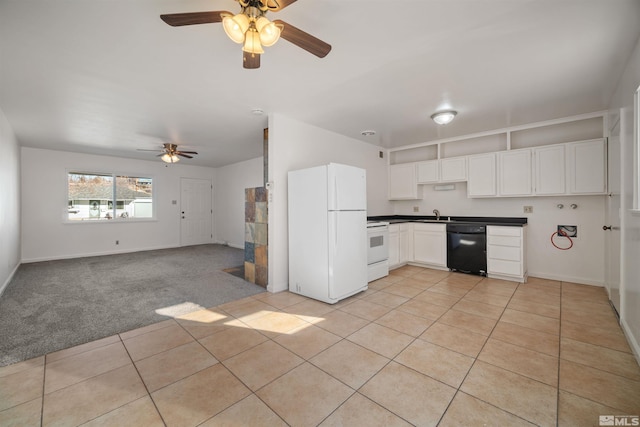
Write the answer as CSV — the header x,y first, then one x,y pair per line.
x,y
606,227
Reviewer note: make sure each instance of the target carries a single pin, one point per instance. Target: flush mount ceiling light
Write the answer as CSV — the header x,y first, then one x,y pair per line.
x,y
252,29
444,117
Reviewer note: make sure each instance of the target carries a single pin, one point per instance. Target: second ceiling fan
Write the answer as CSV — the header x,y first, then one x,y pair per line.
x,y
253,29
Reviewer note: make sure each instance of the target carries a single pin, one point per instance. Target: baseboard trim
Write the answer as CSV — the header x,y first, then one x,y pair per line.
x,y
231,245
6,283
86,255
278,288
631,339
579,280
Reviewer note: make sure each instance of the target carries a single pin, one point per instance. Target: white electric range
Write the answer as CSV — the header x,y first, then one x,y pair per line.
x,y
377,249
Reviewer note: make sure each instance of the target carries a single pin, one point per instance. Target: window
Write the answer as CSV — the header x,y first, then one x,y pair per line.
x,y
103,197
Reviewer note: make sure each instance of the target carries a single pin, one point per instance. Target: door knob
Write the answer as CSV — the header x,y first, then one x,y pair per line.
x,y
606,227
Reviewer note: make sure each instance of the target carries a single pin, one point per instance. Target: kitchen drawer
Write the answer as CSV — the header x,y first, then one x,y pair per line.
x,y
430,227
512,268
506,253
504,241
504,231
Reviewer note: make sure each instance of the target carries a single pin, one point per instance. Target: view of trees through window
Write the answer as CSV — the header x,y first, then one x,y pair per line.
x,y
103,197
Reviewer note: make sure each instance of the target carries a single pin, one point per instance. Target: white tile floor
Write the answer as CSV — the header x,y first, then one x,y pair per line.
x,y
420,347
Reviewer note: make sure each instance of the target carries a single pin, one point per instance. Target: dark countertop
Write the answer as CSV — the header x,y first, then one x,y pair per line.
x,y
444,219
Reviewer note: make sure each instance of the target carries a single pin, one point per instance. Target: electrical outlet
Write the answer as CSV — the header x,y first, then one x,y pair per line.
x,y
528,209
416,209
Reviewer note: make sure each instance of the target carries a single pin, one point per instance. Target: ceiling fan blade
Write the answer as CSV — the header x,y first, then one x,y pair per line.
x,y
250,60
187,152
156,150
303,40
184,155
276,5
192,18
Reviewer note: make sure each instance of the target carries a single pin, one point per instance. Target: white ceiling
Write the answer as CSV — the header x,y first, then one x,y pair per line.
x,y
109,77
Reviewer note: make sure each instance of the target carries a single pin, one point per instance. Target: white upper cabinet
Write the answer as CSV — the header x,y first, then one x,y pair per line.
x,y
403,184
586,167
481,175
453,169
514,173
550,170
523,161
444,170
428,172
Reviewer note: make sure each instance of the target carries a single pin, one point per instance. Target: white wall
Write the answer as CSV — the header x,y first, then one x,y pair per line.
x,y
622,102
46,236
9,203
296,145
584,263
228,191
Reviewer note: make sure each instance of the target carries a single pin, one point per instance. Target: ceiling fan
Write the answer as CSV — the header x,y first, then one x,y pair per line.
x,y
252,29
169,153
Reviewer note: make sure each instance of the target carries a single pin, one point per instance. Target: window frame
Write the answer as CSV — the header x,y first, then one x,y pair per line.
x,y
113,202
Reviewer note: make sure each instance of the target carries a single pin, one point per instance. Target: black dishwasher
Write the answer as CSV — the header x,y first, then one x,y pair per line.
x,y
467,248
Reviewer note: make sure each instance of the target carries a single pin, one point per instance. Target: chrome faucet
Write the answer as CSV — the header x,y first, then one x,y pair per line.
x,y
437,214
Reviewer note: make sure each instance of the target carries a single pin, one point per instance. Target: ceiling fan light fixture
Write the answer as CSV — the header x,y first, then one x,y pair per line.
x,y
170,158
444,117
236,26
269,32
252,42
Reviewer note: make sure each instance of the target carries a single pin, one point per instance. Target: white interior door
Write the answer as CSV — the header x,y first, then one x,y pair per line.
x,y
196,212
612,218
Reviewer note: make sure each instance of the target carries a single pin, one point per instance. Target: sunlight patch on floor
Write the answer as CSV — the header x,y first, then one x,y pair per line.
x,y
178,310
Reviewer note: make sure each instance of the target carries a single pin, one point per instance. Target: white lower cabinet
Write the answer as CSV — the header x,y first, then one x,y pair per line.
x,y
506,253
394,245
400,247
406,243
430,244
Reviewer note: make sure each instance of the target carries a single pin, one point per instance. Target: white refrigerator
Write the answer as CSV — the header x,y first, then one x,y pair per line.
x,y
328,232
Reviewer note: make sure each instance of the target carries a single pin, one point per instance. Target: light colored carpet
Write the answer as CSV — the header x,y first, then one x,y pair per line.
x,y
53,305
